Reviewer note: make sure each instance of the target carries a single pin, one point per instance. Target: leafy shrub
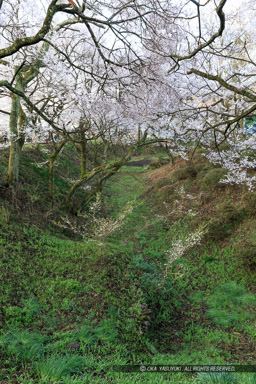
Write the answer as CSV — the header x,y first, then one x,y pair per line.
x,y
162,301
212,178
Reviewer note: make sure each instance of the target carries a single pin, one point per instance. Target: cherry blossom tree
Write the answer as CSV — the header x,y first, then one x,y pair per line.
x,y
113,30
217,87
167,70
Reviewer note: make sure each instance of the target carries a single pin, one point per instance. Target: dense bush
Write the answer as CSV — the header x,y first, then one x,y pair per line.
x,y
228,212
167,193
202,167
212,178
184,171
162,182
218,230
158,163
226,215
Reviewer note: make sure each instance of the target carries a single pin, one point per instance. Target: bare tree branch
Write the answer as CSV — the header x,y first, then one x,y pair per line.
x,y
26,41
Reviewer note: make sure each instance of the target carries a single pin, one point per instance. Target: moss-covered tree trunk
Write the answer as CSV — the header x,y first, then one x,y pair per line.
x,y
52,160
25,74
82,148
18,122
105,150
16,126
106,170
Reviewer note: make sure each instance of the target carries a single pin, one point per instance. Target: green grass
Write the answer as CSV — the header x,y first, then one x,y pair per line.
x,y
106,296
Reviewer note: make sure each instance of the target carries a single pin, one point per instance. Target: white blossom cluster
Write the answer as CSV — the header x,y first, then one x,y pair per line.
x,y
105,226
237,162
41,165
179,248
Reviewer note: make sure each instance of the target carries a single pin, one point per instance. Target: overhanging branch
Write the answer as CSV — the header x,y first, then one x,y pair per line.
x,y
225,84
32,40
221,15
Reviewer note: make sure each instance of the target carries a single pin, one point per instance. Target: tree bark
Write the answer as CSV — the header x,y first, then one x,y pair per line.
x,y
108,170
53,158
16,126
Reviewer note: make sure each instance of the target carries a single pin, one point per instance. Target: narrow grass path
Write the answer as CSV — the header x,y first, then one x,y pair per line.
x,y
203,313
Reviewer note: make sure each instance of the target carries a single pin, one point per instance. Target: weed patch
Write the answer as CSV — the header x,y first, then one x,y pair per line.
x,y
76,300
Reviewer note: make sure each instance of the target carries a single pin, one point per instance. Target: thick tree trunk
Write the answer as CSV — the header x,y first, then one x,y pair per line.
x,y
16,126
107,170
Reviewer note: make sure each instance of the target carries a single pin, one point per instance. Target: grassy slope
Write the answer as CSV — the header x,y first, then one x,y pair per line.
x,y
102,292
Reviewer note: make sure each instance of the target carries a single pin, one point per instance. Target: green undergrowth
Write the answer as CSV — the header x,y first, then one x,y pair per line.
x,y
73,307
